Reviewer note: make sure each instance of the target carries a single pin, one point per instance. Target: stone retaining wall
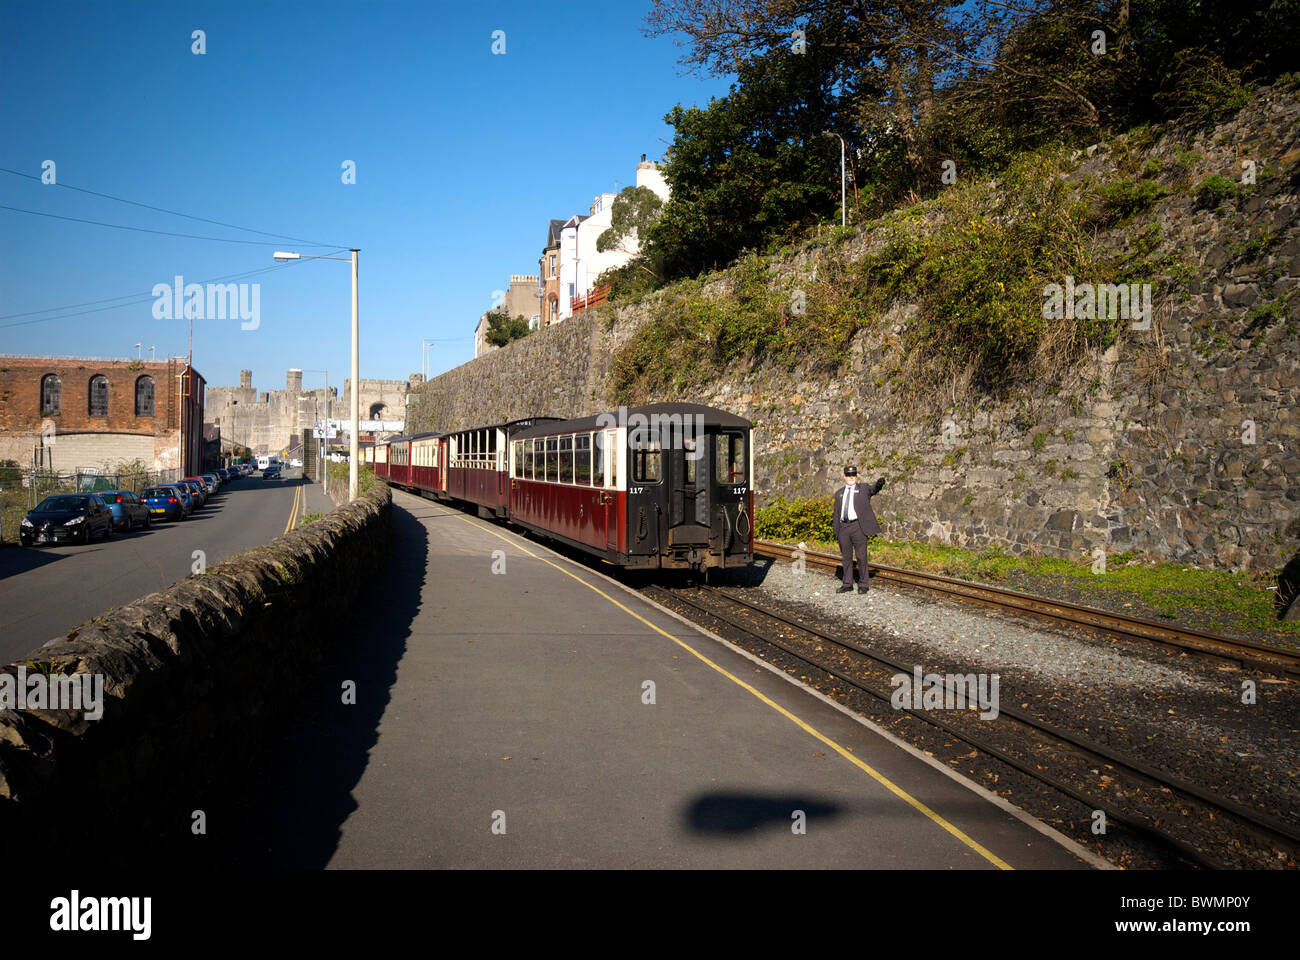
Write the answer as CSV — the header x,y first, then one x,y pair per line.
x,y
194,678
1179,442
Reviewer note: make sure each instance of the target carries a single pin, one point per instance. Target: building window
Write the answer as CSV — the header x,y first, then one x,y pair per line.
x,y
144,397
51,395
99,396
552,273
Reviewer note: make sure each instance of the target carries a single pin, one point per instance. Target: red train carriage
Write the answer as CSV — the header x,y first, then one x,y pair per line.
x,y
663,485
428,462
476,465
377,458
399,461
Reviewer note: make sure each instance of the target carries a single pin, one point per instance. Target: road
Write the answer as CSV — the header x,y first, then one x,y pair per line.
x,y
47,591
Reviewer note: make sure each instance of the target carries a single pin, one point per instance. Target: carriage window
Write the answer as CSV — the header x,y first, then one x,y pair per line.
x,y
517,470
615,458
646,462
552,459
528,459
582,459
729,458
598,459
566,459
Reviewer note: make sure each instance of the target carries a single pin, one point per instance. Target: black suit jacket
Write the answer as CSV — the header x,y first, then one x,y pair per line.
x,y
861,505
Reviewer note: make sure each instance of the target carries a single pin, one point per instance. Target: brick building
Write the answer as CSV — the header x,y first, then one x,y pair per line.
x,y
89,412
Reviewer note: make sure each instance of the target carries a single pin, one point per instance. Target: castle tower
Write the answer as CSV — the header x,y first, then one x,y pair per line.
x,y
246,379
293,382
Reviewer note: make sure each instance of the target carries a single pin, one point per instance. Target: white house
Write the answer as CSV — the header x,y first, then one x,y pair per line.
x,y
569,253
581,264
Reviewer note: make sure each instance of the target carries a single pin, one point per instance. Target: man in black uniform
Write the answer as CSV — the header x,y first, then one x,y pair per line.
x,y
854,522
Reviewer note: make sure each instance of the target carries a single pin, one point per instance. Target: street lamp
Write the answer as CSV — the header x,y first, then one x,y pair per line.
x,y
843,213
424,357
356,366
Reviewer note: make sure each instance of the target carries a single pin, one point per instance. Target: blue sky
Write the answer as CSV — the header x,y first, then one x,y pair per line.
x,y
462,157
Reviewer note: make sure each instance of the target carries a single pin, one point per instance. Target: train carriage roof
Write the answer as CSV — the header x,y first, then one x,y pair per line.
x,y
410,436
712,417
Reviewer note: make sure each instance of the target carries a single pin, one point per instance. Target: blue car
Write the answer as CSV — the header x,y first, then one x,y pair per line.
x,y
186,493
164,503
128,511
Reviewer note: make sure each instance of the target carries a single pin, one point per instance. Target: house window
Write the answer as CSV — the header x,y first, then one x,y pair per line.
x,y
144,397
552,273
98,396
51,395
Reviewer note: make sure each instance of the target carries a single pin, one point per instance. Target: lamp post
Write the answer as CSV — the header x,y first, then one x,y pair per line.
x,y
843,209
424,357
356,365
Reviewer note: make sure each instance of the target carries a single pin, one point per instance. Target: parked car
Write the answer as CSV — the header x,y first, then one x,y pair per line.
x,y
128,511
197,490
164,502
214,482
295,462
187,494
200,487
271,471
66,518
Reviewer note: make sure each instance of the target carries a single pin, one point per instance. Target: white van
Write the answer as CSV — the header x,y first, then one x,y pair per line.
x,y
263,462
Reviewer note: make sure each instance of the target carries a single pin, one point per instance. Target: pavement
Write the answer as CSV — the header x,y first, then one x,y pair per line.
x,y
543,716
47,591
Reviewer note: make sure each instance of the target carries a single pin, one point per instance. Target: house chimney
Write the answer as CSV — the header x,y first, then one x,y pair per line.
x,y
643,158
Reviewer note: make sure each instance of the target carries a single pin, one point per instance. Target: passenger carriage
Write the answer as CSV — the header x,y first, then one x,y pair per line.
x,y
663,485
476,464
399,461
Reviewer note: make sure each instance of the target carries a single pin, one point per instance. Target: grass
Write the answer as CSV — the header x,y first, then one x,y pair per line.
x,y
974,261
338,473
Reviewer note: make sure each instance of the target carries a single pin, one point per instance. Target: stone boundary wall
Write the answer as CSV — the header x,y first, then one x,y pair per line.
x,y
1181,442
194,678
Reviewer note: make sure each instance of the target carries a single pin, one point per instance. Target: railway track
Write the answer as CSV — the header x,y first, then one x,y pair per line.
x,y
1244,653
1060,759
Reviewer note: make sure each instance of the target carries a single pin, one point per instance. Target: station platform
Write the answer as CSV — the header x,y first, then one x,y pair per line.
x,y
501,722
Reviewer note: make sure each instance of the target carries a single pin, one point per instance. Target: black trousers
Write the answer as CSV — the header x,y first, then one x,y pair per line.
x,y
853,539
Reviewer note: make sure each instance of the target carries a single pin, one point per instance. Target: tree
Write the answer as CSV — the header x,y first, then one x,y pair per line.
x,y
503,328
889,53
635,210
751,167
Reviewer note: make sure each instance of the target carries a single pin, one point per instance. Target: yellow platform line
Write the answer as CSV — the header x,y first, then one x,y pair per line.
x,y
803,725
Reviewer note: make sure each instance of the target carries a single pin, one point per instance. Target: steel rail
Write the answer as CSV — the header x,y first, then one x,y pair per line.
x,y
1242,652
1153,775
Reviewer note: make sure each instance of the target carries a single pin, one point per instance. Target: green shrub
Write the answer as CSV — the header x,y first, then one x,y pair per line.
x,y
1214,190
795,521
1126,198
